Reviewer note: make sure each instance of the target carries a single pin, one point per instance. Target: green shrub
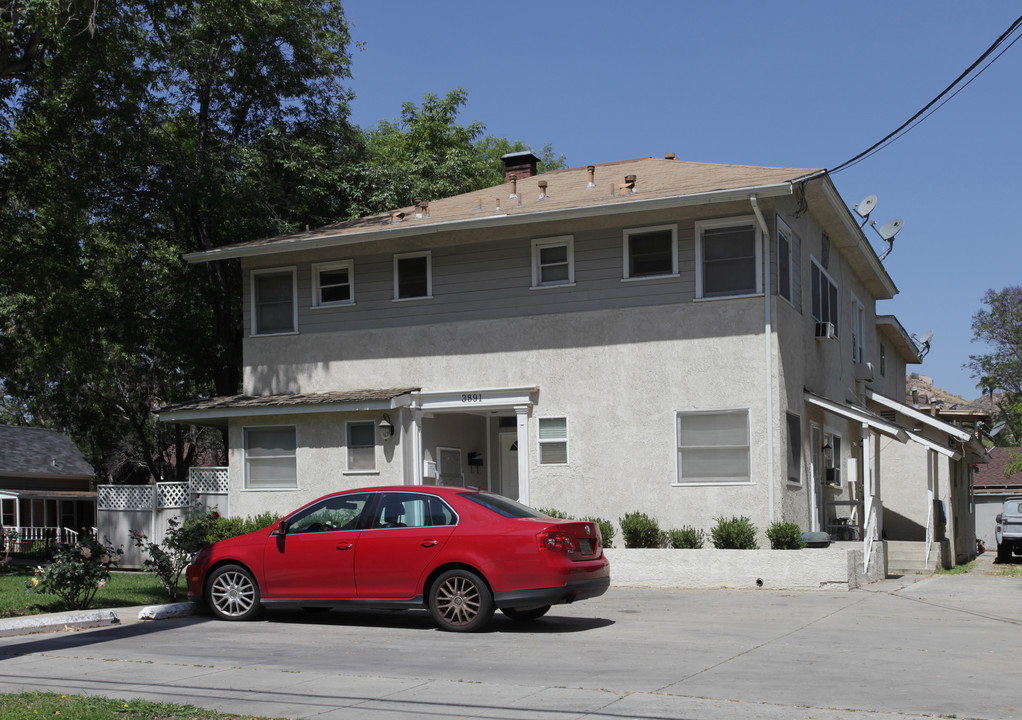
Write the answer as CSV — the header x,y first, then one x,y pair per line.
x,y
785,536
736,533
222,528
687,538
557,514
641,531
76,573
169,558
606,530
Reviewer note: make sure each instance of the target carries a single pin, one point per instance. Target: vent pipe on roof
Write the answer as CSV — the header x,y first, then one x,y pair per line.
x,y
514,188
628,185
542,190
422,207
592,177
613,190
670,156
397,216
498,206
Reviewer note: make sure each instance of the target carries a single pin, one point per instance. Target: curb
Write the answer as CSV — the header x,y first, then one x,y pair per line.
x,y
83,619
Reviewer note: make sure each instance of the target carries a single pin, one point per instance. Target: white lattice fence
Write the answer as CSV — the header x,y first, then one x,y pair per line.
x,y
209,480
148,508
124,497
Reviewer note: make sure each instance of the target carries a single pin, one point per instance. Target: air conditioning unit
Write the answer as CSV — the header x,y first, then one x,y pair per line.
x,y
864,371
825,330
832,476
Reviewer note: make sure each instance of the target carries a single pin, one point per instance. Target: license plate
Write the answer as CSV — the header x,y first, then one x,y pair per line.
x,y
586,545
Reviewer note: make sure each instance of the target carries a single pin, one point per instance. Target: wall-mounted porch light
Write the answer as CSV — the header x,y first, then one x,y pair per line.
x,y
828,452
386,428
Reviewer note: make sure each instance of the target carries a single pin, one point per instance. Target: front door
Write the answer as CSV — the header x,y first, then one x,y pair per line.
x,y
316,557
509,465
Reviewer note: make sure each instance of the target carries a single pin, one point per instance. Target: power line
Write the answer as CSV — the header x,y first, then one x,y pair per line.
x,y
923,114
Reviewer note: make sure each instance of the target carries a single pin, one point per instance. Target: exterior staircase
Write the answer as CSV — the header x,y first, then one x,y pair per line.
x,y
908,557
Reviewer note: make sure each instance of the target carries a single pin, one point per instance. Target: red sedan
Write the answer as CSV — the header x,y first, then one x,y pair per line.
x,y
459,552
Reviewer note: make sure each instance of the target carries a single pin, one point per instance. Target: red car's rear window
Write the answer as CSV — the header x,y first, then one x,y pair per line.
x,y
502,506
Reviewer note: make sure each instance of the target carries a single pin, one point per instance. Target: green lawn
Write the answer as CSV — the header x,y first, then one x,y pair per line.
x,y
124,589
22,706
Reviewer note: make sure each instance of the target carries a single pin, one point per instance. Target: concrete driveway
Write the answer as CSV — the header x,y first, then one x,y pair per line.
x,y
946,646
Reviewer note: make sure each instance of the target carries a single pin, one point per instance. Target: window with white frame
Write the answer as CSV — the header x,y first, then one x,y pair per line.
x,y
413,276
333,284
713,447
651,252
727,258
274,310
361,443
825,298
785,261
553,441
270,458
858,331
553,261
794,448
449,469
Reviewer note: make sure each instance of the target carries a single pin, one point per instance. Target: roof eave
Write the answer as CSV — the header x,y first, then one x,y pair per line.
x,y
884,287
300,243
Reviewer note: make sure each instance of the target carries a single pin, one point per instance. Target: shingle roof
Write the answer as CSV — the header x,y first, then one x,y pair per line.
x,y
655,178
993,472
288,400
29,451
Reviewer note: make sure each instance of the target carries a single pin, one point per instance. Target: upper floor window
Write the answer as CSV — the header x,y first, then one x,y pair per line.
x,y
789,248
270,458
553,261
274,309
727,258
825,302
651,251
333,284
858,331
713,447
413,276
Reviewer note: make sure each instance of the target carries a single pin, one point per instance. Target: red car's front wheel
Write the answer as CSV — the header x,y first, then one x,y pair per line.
x,y
460,601
232,593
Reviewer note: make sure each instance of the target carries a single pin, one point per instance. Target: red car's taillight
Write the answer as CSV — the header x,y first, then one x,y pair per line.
x,y
557,541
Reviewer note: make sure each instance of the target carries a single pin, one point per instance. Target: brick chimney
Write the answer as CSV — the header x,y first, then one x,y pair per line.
x,y
520,164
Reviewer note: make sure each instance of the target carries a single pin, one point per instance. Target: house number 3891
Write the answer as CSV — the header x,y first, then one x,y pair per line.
x,y
471,397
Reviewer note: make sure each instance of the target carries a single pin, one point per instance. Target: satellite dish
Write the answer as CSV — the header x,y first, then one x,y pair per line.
x,y
865,207
997,429
890,228
927,336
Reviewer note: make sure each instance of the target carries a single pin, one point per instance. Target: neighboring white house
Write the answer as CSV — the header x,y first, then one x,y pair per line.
x,y
683,339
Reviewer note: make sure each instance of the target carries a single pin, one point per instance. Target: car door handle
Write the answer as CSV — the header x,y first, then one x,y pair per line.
x,y
345,546
429,543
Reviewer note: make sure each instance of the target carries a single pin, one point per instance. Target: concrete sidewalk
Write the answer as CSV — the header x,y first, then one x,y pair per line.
x,y
904,648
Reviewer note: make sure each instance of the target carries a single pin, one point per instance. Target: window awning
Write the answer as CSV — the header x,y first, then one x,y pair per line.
x,y
858,415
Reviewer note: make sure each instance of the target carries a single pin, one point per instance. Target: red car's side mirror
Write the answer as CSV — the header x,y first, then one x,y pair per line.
x,y
281,528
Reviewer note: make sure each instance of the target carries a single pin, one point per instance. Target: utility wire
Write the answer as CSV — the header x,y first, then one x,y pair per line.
x,y
923,114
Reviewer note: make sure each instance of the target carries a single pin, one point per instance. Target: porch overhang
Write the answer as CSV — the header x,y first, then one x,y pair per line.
x,y
918,416
218,411
9,494
859,415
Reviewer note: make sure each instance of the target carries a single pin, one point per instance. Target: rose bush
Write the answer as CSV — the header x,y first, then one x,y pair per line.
x,y
77,572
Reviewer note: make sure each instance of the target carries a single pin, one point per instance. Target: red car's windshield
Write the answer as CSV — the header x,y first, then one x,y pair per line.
x,y
502,505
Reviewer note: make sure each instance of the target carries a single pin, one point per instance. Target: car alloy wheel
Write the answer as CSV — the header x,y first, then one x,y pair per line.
x,y
233,593
460,601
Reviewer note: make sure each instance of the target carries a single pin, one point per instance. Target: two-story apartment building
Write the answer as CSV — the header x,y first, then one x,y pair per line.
x,y
683,339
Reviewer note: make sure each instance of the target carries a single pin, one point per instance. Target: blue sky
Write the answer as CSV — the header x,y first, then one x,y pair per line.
x,y
792,84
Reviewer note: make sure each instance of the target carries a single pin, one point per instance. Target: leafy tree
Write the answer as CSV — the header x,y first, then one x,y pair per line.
x,y
174,127
999,327
427,154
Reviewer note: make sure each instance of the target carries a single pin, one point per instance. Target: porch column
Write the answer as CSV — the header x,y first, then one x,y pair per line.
x,y
415,468
522,416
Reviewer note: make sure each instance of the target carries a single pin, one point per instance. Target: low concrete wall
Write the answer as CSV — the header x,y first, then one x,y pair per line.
x,y
833,568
